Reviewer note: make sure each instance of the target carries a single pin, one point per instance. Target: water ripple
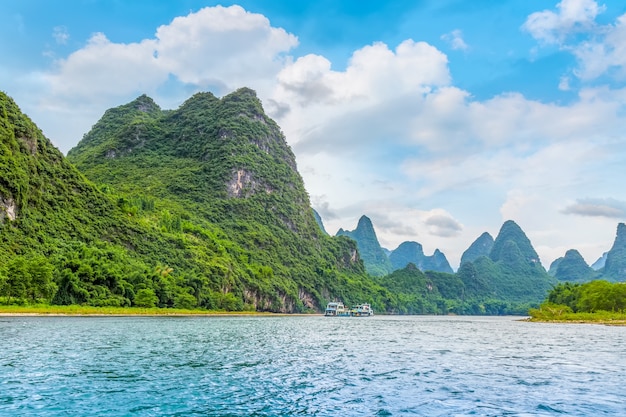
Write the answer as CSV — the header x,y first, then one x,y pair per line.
x,y
270,366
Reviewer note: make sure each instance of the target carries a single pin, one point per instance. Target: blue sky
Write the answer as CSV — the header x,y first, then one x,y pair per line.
x,y
438,119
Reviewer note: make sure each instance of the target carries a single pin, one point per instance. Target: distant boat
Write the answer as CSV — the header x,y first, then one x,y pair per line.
x,y
338,309
362,310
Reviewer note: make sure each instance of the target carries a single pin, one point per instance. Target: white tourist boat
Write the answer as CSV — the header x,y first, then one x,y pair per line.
x,y
338,309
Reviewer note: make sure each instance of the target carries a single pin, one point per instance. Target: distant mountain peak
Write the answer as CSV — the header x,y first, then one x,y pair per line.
x,y
572,267
480,247
365,223
374,257
413,253
145,104
509,233
615,265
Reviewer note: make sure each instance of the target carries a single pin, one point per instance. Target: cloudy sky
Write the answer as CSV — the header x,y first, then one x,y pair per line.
x,y
438,119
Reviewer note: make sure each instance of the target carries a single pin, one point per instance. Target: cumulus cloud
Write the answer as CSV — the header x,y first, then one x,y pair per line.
x,y
602,54
595,207
374,73
216,46
455,39
599,49
389,136
330,109
571,16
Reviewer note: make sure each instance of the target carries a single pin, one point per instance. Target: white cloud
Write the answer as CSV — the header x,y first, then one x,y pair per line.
x,y
455,39
599,55
599,49
390,136
215,47
105,69
227,44
60,35
564,83
572,16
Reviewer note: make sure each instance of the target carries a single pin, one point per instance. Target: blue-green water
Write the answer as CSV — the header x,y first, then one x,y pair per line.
x,y
279,366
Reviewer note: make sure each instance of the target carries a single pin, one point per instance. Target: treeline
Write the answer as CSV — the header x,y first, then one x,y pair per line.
x,y
104,275
568,301
590,297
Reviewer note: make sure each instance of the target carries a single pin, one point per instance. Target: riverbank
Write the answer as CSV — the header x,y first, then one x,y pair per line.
x,y
555,315
78,310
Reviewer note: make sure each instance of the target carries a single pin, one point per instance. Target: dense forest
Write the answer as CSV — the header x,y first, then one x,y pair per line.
x,y
202,207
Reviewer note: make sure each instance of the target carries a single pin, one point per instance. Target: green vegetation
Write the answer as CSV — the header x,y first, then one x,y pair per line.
x,y
202,208
595,301
196,208
375,259
480,247
86,310
412,252
431,292
572,268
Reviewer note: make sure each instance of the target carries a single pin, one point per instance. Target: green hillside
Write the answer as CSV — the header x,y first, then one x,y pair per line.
x,y
203,207
412,252
197,207
480,247
512,272
572,268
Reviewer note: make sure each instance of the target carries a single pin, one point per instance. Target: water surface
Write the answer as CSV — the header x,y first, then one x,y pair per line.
x,y
311,365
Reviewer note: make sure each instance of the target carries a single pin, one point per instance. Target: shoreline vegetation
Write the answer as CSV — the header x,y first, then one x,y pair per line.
x,y
541,315
80,310
554,313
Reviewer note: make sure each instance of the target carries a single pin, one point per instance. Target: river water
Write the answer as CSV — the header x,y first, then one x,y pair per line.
x,y
309,365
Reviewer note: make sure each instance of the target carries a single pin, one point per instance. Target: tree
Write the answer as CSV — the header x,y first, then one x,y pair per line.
x,y
146,298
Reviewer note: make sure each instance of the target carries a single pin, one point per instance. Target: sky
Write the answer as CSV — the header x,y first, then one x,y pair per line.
x,y
437,119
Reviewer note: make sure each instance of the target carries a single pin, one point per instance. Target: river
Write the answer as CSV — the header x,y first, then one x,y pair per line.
x,y
309,365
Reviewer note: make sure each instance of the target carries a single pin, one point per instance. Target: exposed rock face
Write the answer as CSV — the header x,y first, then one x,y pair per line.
x,y
243,184
8,209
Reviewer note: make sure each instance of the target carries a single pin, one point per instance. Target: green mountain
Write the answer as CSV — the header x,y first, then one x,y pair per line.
x,y
615,265
376,261
512,271
62,238
197,207
572,267
599,263
320,223
432,292
480,247
203,207
412,252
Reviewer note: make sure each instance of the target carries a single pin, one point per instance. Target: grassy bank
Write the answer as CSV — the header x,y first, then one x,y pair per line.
x,y
78,310
563,314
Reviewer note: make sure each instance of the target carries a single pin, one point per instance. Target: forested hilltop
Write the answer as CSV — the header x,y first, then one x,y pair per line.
x,y
203,207
199,207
